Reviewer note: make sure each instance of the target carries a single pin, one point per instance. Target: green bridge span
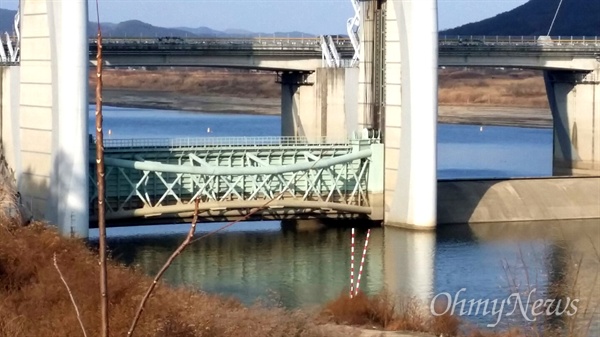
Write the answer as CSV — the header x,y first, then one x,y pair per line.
x,y
157,180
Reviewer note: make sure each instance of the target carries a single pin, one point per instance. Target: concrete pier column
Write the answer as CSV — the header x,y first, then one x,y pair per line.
x,y
71,167
319,105
295,95
53,113
411,117
574,99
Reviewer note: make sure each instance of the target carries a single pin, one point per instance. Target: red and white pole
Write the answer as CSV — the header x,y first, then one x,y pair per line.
x,y
352,264
362,261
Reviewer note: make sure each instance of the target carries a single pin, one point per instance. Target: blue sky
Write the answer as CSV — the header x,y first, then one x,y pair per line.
x,y
310,16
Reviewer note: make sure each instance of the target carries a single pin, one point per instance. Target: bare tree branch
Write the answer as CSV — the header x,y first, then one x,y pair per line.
x,y
164,268
100,182
62,278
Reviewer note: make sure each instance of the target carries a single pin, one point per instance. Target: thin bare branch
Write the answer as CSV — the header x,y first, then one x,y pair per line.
x,y
164,268
62,278
100,182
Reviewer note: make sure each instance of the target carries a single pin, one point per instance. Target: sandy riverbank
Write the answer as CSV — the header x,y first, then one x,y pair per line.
x,y
459,114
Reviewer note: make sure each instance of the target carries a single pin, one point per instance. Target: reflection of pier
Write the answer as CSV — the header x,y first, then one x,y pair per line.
x,y
297,268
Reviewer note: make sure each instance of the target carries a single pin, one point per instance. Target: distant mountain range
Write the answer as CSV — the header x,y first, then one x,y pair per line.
x,y
137,28
575,18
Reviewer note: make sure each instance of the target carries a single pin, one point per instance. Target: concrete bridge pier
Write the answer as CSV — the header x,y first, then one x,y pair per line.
x,y
574,99
409,116
48,113
319,105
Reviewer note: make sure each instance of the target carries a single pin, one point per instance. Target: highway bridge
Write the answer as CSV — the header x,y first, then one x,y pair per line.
x,y
304,54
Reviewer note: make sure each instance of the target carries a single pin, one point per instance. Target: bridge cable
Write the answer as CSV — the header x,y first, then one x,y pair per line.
x,y
555,15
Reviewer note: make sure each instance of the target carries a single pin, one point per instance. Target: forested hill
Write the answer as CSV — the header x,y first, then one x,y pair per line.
x,y
575,18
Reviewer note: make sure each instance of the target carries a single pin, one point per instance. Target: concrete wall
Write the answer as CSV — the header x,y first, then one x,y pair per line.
x,y
518,200
53,178
574,99
9,117
365,76
322,104
37,112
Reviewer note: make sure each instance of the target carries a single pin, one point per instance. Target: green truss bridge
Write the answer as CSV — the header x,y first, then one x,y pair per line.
x,y
157,180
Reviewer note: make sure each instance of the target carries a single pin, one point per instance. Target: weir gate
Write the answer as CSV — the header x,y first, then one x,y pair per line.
x,y
157,180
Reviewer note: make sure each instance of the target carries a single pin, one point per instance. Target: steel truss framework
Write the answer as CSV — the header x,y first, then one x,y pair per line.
x,y
298,178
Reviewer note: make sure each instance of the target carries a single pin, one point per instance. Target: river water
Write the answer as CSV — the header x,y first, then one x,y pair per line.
x,y
260,261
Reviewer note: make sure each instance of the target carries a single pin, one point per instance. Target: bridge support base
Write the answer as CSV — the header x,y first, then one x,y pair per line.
x,y
411,114
574,99
321,105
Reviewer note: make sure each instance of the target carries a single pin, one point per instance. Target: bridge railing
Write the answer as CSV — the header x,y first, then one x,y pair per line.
x,y
221,142
518,40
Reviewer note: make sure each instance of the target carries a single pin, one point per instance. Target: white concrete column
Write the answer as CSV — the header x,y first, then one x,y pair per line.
x,y
413,202
70,178
574,99
73,101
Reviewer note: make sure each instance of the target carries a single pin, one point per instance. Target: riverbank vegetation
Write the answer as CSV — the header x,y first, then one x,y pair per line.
x,y
36,303
457,86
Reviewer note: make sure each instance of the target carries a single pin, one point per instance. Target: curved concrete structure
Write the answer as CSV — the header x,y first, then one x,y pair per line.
x,y
473,201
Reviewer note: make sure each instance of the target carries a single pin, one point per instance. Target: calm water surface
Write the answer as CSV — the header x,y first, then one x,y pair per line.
x,y
260,261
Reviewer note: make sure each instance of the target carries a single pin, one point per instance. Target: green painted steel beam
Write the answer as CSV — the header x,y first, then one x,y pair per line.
x,y
233,205
212,170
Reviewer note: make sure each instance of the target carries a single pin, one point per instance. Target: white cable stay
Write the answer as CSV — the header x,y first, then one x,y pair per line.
x,y
2,52
331,57
554,19
334,53
326,53
352,26
13,51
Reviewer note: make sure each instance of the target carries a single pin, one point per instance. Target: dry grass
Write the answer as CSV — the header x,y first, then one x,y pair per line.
x,y
9,207
387,312
35,302
520,88
490,87
196,82
391,313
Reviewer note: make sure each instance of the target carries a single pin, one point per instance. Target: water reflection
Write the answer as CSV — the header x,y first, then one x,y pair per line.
x,y
409,262
491,261
294,268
